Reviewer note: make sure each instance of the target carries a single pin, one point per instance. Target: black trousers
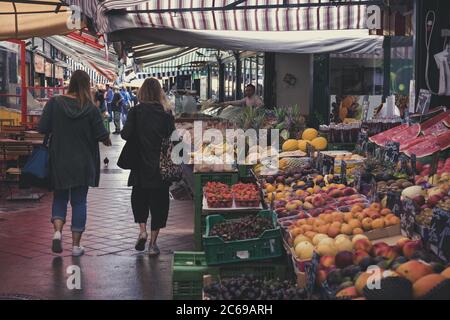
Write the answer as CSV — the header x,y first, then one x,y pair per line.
x,y
155,200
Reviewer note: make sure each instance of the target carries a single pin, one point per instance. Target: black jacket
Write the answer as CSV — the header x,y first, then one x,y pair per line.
x,y
74,150
148,124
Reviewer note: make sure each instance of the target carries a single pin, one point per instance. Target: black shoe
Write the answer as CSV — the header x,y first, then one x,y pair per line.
x,y
57,244
141,241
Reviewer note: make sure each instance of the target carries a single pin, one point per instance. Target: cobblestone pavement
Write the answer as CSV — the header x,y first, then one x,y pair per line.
x,y
110,269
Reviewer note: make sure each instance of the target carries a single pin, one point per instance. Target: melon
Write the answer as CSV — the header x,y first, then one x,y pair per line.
x,y
290,145
304,250
300,238
343,244
326,249
412,192
302,145
320,143
310,134
318,238
424,285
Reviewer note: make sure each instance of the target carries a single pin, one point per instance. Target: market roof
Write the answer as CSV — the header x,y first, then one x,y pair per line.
x,y
103,60
255,25
23,19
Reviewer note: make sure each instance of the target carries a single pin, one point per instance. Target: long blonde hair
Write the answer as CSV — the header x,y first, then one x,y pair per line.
x,y
80,87
152,92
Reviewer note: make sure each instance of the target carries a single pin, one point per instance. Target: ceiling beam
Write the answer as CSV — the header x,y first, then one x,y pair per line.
x,y
35,2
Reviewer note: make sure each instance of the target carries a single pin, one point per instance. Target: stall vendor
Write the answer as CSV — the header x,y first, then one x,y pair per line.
x,y
250,100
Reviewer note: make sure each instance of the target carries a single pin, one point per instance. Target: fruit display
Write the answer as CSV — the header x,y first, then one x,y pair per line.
x,y
383,187
310,136
404,272
442,174
356,221
218,195
246,195
250,288
250,227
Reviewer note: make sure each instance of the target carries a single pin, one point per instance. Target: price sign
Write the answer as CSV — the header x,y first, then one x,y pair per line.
x,y
328,164
394,202
343,172
408,217
378,153
311,273
440,233
310,150
391,151
319,165
363,141
414,164
404,164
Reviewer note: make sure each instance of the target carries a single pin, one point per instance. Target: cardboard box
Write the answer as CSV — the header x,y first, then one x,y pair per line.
x,y
387,232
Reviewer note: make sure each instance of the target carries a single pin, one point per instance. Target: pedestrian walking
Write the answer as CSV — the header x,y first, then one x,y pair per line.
x,y
148,124
109,95
126,105
75,127
117,104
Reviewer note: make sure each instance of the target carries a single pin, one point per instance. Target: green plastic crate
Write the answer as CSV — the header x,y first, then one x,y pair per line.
x,y
245,171
188,269
200,179
268,245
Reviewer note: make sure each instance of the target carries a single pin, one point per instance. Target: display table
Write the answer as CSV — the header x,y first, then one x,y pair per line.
x,y
207,210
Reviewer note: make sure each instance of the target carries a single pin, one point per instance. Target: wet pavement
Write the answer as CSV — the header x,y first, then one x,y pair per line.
x,y
111,268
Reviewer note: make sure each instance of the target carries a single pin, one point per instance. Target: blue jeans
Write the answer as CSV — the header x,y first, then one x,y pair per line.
x,y
109,106
78,201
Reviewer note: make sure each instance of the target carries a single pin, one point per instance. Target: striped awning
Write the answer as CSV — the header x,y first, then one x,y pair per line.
x,y
190,61
242,15
104,63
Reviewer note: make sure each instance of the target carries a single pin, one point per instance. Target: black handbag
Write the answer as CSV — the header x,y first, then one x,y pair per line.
x,y
129,157
170,172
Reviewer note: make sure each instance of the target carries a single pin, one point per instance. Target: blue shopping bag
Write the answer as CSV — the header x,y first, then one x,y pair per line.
x,y
38,163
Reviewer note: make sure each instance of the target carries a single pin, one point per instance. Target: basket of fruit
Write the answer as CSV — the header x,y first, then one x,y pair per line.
x,y
218,195
246,195
247,239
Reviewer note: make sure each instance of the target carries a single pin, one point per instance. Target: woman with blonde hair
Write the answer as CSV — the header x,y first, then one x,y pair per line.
x,y
75,127
148,124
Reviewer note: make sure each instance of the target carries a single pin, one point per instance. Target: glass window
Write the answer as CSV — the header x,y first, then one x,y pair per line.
x,y
355,78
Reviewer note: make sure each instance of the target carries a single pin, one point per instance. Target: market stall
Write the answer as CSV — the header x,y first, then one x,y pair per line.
x,y
320,224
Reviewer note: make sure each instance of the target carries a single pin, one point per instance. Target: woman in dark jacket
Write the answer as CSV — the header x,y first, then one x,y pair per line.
x,y
75,126
148,123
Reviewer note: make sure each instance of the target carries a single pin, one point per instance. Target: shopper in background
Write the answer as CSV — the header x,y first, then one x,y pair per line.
x,y
116,104
251,99
148,123
99,99
75,127
126,105
109,97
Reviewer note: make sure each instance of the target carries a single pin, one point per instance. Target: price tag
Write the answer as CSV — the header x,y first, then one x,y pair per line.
x,y
392,151
310,150
311,272
319,165
394,202
403,164
440,233
434,164
414,164
408,217
243,255
363,141
328,164
378,153
343,172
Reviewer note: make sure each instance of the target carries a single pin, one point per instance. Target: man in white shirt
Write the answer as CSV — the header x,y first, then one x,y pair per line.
x,y
250,100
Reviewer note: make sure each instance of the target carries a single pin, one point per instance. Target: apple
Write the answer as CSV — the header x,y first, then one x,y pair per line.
x,y
419,200
411,247
359,255
344,259
327,261
401,242
379,249
321,276
391,254
363,244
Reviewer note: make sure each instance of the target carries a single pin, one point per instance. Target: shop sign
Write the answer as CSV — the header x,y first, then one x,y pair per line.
x,y
48,69
39,63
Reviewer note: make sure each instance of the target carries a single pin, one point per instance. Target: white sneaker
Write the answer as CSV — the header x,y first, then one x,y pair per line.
x,y
77,251
153,250
57,242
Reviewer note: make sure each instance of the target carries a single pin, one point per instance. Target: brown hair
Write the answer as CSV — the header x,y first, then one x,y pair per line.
x,y
80,87
152,92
